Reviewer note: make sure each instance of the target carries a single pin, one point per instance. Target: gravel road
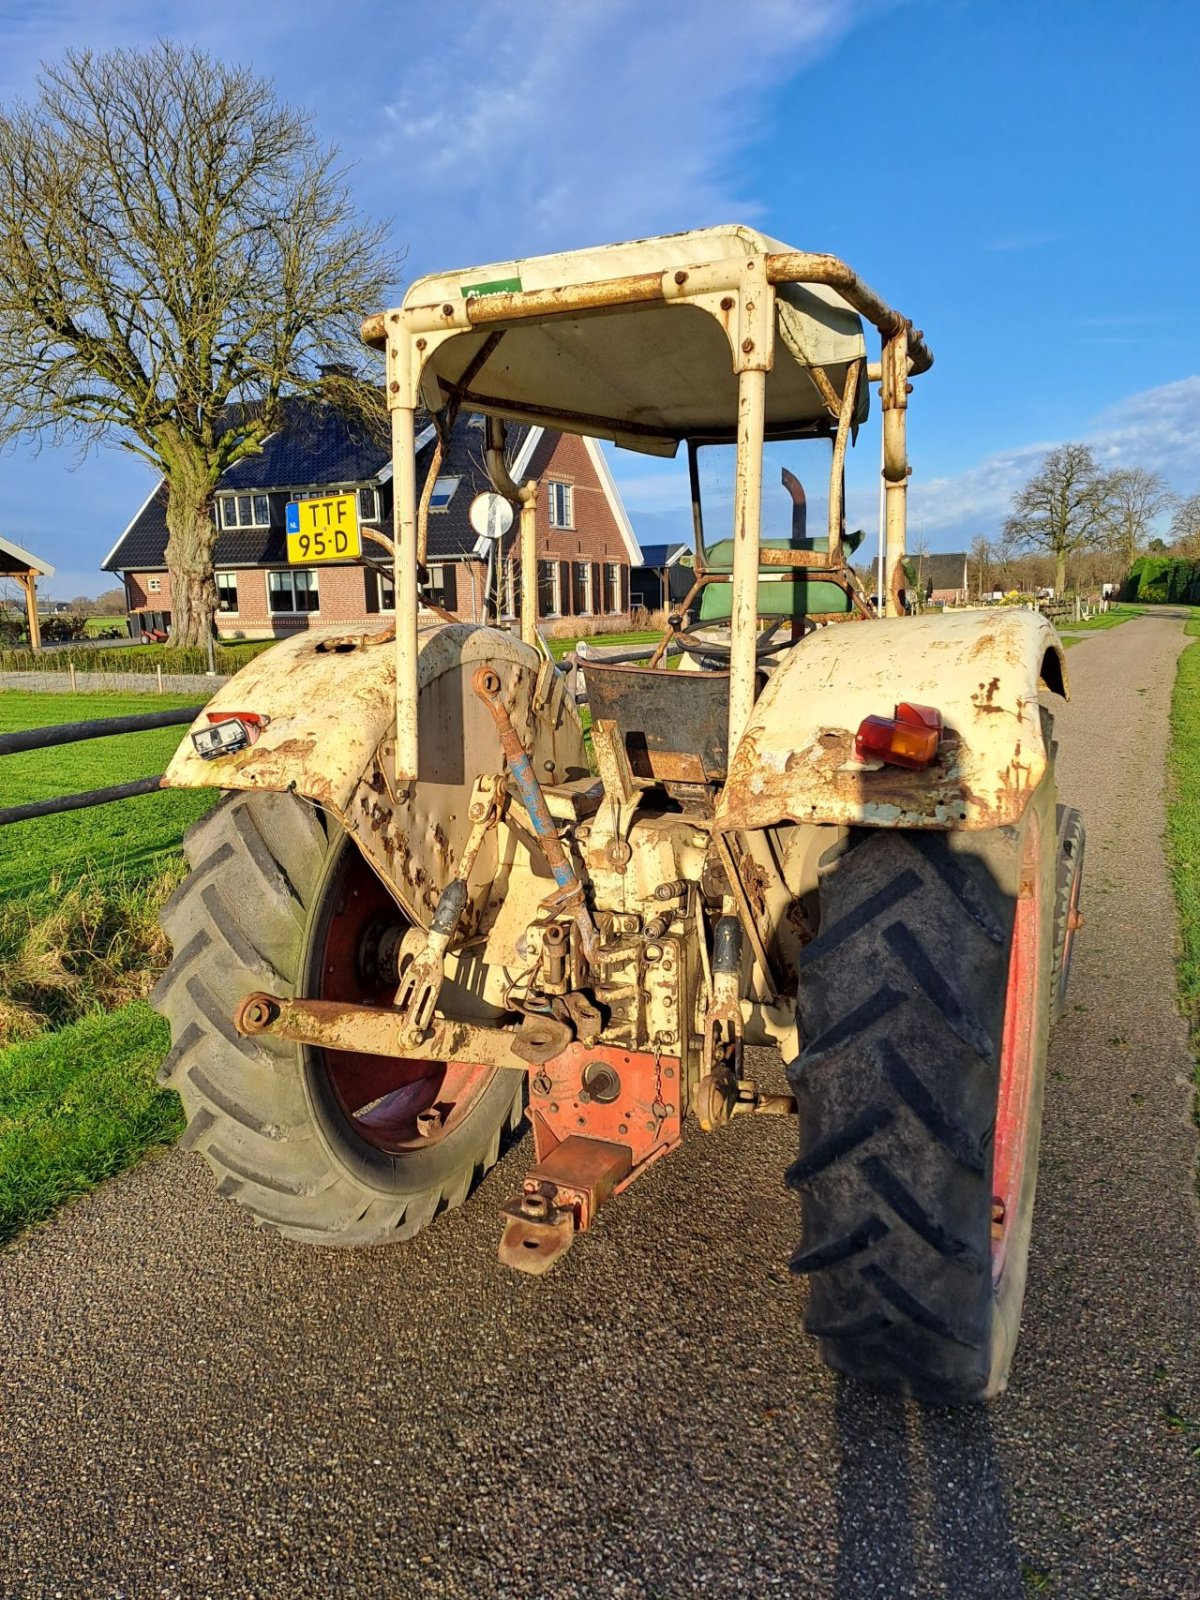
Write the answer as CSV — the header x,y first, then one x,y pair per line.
x,y
188,1408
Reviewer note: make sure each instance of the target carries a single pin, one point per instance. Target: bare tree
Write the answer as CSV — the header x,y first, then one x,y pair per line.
x,y
1184,532
177,253
1133,498
981,559
918,556
1060,510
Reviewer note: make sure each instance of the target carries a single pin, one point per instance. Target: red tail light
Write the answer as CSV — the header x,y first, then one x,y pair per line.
x,y
908,739
252,719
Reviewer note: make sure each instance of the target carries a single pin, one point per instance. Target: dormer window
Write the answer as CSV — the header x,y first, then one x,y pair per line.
x,y
443,493
245,511
368,505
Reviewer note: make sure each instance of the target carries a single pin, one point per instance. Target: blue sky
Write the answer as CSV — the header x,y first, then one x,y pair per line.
x,y
1021,178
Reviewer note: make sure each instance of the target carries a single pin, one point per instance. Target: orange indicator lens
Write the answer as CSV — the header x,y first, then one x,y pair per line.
x,y
909,739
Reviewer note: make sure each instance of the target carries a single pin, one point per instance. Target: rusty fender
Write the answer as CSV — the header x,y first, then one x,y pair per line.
x,y
331,699
981,669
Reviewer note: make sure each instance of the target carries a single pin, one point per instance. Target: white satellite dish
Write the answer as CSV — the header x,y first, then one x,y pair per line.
x,y
490,515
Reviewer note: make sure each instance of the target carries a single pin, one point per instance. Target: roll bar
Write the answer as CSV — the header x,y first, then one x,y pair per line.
x,y
744,289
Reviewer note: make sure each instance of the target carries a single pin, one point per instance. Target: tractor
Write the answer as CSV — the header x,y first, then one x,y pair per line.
x,y
424,911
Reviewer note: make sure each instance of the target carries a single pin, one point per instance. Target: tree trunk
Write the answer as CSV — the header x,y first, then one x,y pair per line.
x,y
1060,573
193,534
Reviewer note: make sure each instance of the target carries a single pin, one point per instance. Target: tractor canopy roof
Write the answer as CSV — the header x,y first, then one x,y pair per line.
x,y
645,371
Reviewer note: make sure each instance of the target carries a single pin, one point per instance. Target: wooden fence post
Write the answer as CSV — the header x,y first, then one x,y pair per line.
x,y
158,671
71,670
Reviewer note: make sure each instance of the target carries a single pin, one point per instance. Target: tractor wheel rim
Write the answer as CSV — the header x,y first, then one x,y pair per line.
x,y
399,1105
1072,915
1021,1021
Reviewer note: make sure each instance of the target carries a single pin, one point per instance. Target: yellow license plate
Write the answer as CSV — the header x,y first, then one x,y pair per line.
x,y
324,529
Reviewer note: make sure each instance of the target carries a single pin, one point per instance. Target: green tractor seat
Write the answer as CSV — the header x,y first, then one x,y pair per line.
x,y
782,592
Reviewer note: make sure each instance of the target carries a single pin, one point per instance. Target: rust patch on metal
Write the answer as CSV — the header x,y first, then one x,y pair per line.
x,y
933,792
673,725
755,879
984,700
343,643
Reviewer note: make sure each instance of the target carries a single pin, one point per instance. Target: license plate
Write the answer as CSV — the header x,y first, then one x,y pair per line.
x,y
323,530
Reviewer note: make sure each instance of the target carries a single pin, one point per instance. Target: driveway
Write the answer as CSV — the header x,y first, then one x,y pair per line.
x,y
190,1408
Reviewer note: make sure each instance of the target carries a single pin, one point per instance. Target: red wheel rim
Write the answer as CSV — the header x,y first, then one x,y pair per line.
x,y
1023,999
396,1104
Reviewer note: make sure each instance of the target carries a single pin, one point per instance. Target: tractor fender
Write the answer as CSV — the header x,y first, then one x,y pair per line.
x,y
981,669
329,698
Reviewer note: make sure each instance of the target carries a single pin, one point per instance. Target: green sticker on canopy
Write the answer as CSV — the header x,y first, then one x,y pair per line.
x,y
496,286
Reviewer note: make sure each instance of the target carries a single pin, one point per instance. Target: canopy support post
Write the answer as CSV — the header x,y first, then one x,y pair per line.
x,y
895,387
753,339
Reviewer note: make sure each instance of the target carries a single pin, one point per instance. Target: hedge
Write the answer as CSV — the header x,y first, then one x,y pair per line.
x,y
134,658
1163,580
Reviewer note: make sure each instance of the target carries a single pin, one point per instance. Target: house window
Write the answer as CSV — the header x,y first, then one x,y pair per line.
x,y
368,505
612,587
549,604
441,586
154,586
581,575
562,509
245,511
293,590
381,592
227,592
443,493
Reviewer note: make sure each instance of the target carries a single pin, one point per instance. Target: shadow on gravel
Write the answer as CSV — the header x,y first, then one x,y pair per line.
x,y
903,1468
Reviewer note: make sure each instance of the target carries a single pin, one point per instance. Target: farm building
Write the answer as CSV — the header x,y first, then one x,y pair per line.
x,y
944,578
660,579
586,545
25,570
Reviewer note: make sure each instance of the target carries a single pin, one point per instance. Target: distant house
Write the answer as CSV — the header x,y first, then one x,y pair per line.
x,y
586,546
944,578
660,580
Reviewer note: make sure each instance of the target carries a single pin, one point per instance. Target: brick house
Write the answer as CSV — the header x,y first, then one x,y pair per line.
x,y
586,544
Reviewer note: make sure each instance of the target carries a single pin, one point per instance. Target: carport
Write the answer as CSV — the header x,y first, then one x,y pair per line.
x,y
26,569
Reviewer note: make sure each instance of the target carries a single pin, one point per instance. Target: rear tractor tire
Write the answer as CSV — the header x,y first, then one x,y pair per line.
x,y
924,1006
324,1147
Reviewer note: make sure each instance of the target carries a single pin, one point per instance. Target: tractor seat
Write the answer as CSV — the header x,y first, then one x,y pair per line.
x,y
782,591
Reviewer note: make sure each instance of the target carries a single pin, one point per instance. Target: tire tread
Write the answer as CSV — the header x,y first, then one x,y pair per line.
x,y
237,924
896,1094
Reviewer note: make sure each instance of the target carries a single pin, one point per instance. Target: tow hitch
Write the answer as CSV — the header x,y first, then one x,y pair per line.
x,y
560,1197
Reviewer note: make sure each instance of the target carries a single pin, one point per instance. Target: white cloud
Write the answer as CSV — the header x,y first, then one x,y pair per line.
x,y
534,128
488,128
1158,428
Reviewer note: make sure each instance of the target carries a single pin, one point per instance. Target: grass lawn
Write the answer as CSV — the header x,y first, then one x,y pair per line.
x,y
1073,632
562,647
79,948
77,1106
131,837
1183,828
1112,618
